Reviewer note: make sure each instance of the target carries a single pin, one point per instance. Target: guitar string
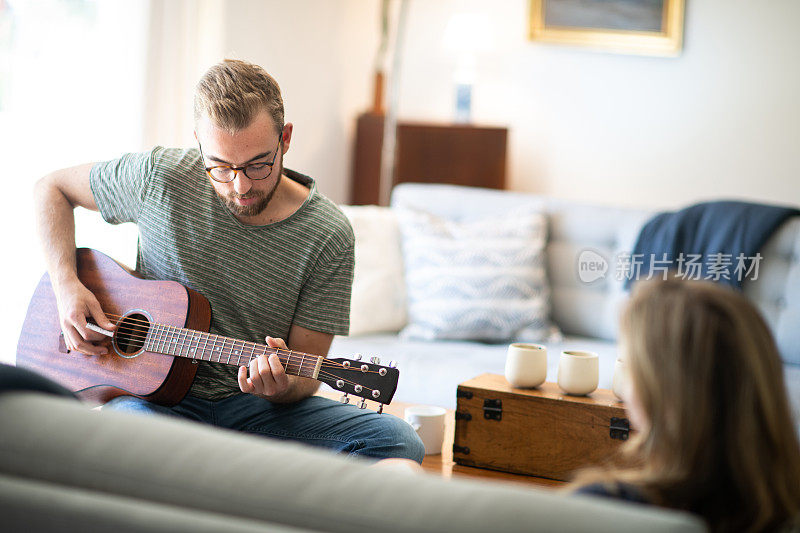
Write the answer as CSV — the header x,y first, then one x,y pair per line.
x,y
349,382
222,353
288,363
292,358
299,365
141,335
231,352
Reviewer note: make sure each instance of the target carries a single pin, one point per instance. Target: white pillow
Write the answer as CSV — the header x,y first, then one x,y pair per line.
x,y
378,302
483,279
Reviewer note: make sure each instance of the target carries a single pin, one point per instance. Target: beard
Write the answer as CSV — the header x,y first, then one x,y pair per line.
x,y
262,198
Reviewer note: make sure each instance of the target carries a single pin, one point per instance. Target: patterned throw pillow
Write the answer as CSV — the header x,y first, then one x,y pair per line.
x,y
482,279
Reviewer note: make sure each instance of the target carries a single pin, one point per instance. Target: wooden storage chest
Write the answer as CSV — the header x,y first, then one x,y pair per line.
x,y
541,432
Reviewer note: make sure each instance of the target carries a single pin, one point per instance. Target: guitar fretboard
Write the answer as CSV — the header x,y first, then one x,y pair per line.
x,y
193,344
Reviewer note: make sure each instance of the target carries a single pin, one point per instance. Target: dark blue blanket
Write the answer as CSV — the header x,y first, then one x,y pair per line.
x,y
713,240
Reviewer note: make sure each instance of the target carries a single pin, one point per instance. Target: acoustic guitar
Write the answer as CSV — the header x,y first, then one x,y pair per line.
x,y
161,332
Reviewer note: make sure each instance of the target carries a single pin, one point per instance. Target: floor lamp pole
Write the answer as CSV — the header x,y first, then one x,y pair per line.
x,y
390,123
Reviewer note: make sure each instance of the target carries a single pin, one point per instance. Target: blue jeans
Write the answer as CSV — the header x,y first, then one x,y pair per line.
x,y
316,421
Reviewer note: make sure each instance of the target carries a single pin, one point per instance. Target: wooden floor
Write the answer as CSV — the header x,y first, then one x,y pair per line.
x,y
442,464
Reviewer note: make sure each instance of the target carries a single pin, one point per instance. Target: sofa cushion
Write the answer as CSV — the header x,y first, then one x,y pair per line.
x,y
580,308
776,288
30,505
210,472
482,279
14,378
378,302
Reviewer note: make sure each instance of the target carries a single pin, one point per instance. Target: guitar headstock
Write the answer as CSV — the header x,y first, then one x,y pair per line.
x,y
369,380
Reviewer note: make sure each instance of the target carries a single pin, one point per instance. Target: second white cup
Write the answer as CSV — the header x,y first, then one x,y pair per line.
x,y
526,365
428,422
578,372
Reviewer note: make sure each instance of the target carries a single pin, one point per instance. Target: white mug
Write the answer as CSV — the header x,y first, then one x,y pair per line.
x,y
526,365
428,422
618,381
578,372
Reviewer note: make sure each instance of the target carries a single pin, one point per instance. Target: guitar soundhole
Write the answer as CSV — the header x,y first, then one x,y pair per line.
x,y
130,335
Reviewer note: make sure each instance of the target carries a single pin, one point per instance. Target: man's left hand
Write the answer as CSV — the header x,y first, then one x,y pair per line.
x,y
266,377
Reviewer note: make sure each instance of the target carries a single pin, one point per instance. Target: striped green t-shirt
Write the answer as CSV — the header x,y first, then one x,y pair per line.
x,y
260,280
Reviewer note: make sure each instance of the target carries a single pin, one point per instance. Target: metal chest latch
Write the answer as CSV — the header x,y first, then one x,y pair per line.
x,y
493,409
619,428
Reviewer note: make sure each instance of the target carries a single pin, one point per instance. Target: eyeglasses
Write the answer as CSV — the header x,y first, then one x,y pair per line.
x,y
227,173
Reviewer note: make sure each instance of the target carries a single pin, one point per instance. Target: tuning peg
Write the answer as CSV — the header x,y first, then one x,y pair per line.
x,y
357,357
345,398
380,409
362,404
392,364
375,360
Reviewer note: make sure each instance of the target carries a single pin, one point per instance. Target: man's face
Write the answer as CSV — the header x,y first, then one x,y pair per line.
x,y
257,143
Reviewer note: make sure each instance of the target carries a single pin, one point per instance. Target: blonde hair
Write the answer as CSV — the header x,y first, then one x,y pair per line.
x,y
232,93
720,439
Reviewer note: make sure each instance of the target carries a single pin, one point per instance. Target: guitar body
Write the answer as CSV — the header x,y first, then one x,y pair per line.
x,y
156,377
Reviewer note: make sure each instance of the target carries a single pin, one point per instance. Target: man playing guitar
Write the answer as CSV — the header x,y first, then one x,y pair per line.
x,y
226,219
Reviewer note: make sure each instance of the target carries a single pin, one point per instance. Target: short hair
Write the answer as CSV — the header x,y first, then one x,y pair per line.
x,y
233,92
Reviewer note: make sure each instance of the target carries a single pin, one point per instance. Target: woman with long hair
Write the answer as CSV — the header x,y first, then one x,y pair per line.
x,y
705,392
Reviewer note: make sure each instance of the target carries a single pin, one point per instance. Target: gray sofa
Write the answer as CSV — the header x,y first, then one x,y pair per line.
x,y
586,313
64,467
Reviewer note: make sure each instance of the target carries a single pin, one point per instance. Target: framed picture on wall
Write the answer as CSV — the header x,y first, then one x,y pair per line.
x,y
645,27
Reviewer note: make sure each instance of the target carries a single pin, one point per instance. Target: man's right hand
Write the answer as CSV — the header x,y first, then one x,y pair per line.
x,y
55,197
77,304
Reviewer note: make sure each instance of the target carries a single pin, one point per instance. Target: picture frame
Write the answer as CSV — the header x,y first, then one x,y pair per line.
x,y
642,27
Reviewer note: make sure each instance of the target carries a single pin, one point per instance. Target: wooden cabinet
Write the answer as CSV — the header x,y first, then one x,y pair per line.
x,y
461,154
541,432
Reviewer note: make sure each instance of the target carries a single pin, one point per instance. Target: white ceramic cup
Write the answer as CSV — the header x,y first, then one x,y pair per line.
x,y
526,365
428,422
618,382
578,372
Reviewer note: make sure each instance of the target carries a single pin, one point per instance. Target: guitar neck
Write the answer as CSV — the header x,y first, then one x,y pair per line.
x,y
367,380
180,342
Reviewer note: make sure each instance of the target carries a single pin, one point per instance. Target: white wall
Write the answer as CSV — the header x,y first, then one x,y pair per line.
x,y
75,96
722,119
321,53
